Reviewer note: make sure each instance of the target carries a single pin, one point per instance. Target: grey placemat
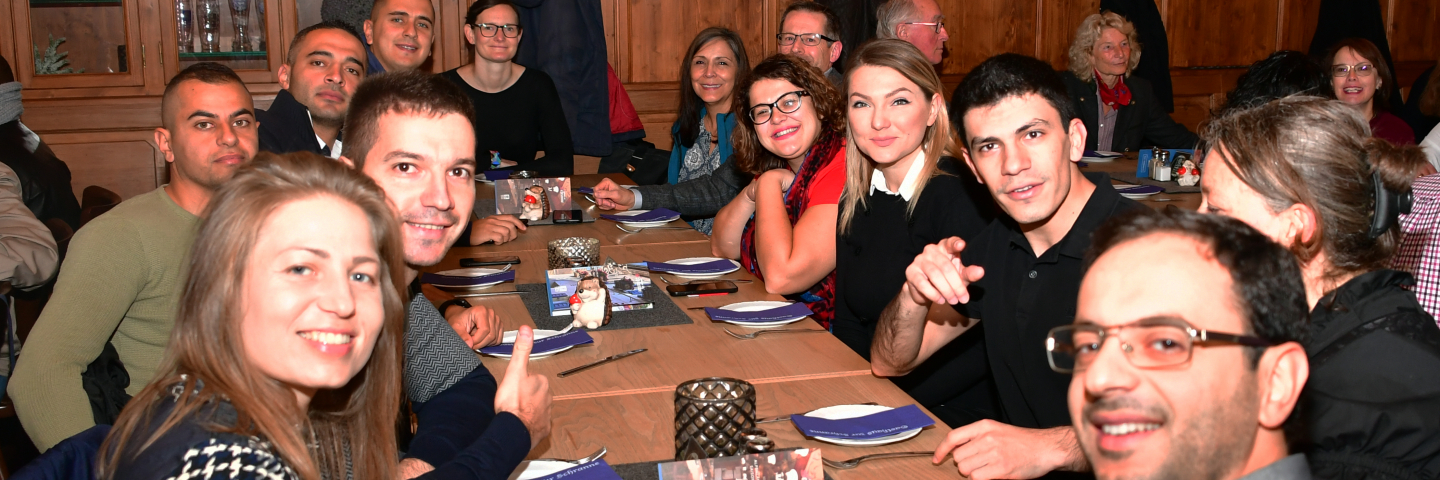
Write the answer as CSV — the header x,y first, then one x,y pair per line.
x,y
649,470
1170,187
665,312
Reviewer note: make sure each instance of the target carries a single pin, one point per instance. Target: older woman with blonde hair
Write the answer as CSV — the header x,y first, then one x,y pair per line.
x,y
903,191
1120,112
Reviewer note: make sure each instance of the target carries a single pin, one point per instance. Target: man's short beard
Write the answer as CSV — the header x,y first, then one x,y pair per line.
x,y
327,121
1216,443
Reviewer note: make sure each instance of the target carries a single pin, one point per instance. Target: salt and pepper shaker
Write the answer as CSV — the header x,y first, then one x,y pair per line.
x,y
1160,170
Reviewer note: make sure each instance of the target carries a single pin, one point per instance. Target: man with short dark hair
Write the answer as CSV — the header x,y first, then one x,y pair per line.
x,y
1196,384
1019,275
115,298
811,31
399,34
411,133
919,22
324,66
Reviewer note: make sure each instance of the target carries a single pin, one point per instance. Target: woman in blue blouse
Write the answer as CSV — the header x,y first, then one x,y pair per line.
x,y
714,63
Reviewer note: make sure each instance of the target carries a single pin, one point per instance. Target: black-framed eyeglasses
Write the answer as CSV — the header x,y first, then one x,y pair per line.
x,y
938,24
490,29
787,103
1361,70
1152,343
806,39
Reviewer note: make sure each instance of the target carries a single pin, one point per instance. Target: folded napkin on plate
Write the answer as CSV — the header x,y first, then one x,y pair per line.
x,y
459,281
547,344
493,175
883,424
761,316
596,470
1139,189
656,215
584,190
707,268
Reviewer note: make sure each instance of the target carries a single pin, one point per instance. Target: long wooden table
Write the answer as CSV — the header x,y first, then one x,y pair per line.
x,y
627,406
1127,165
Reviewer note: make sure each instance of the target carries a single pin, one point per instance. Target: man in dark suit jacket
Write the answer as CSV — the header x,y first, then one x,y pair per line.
x,y
325,64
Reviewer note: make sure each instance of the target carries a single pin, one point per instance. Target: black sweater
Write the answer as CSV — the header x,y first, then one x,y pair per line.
x,y
519,121
870,259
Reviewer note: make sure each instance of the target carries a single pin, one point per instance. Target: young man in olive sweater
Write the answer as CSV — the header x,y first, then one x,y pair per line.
x,y
123,276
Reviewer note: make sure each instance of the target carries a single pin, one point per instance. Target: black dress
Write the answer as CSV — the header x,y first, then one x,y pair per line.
x,y
519,121
870,262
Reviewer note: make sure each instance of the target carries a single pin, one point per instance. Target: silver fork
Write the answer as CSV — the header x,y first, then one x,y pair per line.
x,y
641,229
587,459
852,463
757,333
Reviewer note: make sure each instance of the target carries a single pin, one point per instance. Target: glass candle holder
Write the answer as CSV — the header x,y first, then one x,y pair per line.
x,y
712,413
573,252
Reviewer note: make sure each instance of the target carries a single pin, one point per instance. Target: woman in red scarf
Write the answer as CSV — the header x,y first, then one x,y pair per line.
x,y
790,138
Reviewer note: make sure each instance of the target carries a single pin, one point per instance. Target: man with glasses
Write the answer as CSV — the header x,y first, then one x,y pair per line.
x,y
811,31
916,21
1158,391
1022,138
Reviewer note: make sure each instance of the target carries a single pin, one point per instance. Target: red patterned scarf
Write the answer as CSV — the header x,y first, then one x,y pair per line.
x,y
820,297
1113,96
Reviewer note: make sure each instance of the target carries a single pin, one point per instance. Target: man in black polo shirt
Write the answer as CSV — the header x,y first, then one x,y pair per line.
x,y
1021,274
322,69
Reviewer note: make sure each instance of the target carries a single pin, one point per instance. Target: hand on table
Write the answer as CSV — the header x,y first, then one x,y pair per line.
x,y
988,449
478,326
524,394
937,275
496,228
610,196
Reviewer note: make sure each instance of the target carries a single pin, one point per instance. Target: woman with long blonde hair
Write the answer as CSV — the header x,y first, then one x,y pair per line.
x,y
285,358
903,191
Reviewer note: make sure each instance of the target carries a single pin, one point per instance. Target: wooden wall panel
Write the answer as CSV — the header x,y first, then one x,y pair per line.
x,y
128,163
1058,21
1414,30
658,32
980,29
1210,33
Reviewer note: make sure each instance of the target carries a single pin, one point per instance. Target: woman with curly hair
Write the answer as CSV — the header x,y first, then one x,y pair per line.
x,y
1120,112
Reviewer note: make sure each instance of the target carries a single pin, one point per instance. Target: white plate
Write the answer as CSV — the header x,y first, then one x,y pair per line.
x,y
469,272
1137,196
697,261
851,411
1098,159
631,213
539,468
760,305
509,337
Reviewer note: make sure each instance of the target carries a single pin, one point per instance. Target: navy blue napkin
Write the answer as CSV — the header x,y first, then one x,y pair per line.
x,y
776,314
1139,189
878,425
656,215
493,175
1095,154
585,190
596,470
459,281
707,268
547,344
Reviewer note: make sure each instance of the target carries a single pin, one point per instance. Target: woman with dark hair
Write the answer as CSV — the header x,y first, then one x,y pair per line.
x,y
904,191
517,109
1283,73
711,66
1303,171
1361,79
792,143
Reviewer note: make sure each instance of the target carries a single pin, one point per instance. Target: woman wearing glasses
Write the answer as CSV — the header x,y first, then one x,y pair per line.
x,y
1360,77
1120,112
517,110
792,142
1303,171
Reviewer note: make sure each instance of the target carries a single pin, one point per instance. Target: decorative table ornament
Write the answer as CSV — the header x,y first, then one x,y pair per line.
x,y
590,304
712,412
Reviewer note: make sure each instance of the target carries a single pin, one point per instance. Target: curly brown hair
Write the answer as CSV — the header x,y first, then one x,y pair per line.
x,y
753,158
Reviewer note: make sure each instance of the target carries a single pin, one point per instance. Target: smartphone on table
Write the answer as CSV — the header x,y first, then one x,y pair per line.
x,y
489,261
718,287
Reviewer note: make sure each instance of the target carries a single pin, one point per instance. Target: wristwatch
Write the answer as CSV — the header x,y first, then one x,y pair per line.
x,y
454,301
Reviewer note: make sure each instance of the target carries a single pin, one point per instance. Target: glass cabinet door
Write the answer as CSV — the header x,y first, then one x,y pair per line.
x,y
78,43
240,34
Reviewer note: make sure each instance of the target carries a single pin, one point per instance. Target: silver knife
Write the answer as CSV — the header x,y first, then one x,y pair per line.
x,y
600,362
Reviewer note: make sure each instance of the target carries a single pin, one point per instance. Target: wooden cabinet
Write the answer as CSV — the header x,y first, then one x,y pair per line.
x,y
78,43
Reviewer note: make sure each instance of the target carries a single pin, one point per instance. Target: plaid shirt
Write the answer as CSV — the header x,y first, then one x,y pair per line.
x,y
1419,251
